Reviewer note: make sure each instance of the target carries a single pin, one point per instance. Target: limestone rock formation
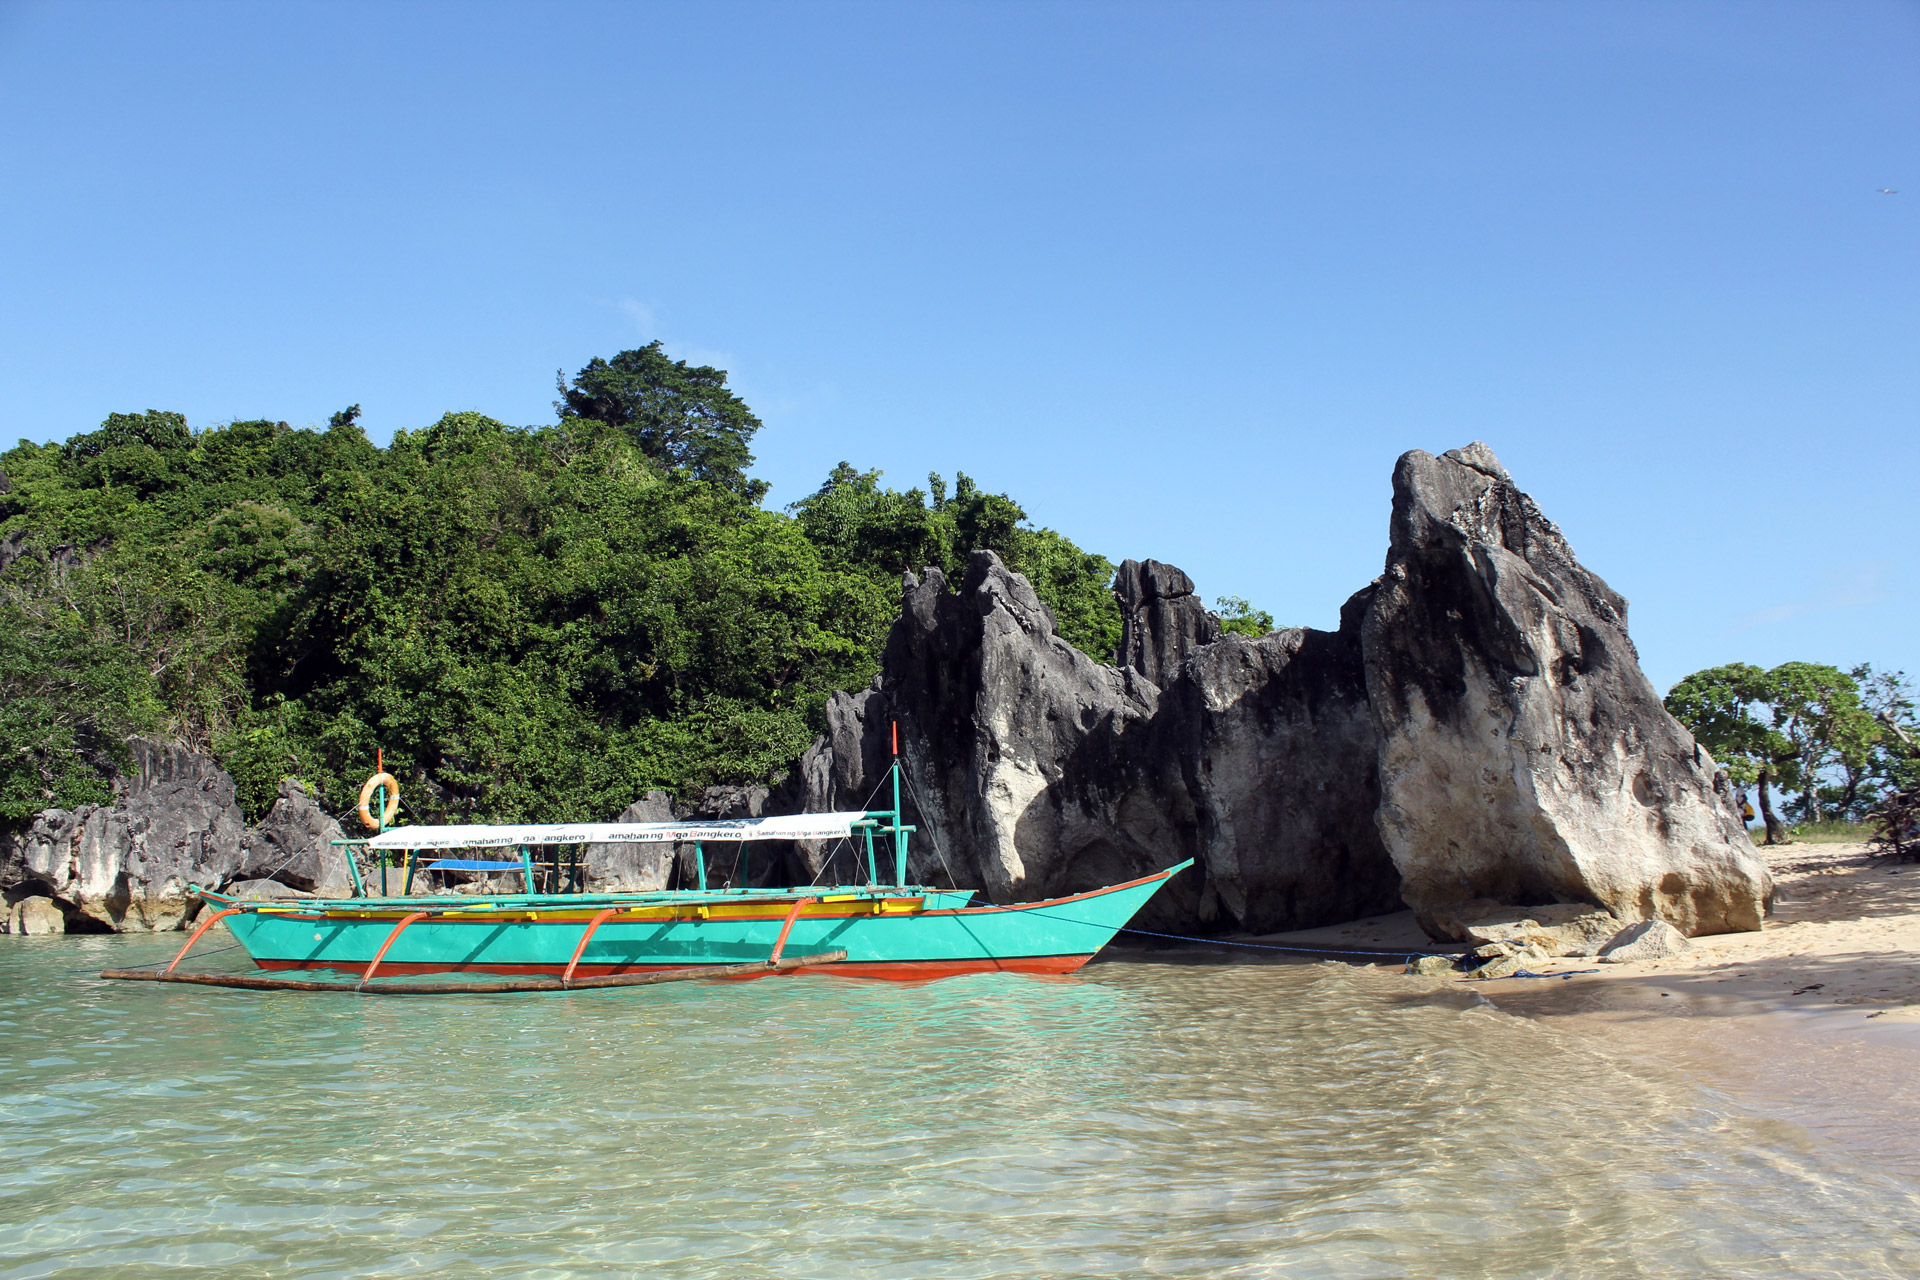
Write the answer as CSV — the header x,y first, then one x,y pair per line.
x,y
1477,734
1034,770
293,846
128,866
617,868
1161,619
35,916
1524,757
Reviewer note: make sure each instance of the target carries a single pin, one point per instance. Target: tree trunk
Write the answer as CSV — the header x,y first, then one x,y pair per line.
x,y
1776,834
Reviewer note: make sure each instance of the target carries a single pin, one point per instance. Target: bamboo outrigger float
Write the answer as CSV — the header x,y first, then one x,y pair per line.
x,y
555,941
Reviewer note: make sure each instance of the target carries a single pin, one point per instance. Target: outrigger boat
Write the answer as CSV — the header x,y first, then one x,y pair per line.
x,y
887,929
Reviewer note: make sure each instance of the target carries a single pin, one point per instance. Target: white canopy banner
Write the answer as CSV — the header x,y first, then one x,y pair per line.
x,y
800,826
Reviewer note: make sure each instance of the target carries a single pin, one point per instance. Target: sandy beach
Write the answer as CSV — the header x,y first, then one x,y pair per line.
x,y
1814,1020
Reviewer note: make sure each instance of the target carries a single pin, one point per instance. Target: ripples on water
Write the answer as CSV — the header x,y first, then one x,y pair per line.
x,y
1136,1119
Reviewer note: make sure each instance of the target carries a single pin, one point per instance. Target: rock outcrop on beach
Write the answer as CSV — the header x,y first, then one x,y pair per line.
x,y
293,846
127,866
1524,756
1476,734
1161,619
1034,770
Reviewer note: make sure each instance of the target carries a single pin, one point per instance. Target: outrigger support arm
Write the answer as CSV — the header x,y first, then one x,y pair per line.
x,y
566,979
392,938
780,943
353,868
207,924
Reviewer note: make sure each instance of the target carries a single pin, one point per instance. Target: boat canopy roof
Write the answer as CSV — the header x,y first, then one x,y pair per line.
x,y
800,826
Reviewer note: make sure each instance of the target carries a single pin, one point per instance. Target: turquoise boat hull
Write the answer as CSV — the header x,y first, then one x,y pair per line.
x,y
887,933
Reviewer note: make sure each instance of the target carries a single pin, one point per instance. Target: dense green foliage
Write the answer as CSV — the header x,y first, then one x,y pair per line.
x,y
531,622
1237,617
1834,739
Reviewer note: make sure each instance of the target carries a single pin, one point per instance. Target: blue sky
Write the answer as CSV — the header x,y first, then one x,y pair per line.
x,y
1184,279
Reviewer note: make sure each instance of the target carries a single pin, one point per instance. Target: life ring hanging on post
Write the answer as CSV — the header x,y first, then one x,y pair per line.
x,y
390,810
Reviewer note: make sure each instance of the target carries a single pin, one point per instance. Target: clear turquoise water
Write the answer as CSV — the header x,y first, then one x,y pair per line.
x,y
1136,1119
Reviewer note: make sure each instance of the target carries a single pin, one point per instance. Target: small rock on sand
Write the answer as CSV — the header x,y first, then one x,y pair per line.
x,y
1647,940
1431,966
1561,928
1505,967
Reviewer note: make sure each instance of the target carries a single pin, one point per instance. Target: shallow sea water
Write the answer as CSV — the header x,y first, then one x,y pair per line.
x,y
1140,1118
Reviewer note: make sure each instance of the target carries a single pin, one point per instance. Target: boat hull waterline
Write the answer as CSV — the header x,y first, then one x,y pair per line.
x,y
893,934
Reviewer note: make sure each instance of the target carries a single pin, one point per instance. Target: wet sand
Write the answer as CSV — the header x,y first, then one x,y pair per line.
x,y
1813,1021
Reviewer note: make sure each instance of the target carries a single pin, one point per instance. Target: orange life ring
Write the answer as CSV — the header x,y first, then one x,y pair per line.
x,y
392,806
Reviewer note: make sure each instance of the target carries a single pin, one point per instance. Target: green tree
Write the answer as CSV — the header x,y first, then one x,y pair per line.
x,y
681,417
1789,727
1894,761
1240,618
1721,707
860,525
1818,710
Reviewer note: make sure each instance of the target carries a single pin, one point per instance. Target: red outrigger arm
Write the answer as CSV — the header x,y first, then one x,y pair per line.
x,y
581,950
211,921
393,937
780,944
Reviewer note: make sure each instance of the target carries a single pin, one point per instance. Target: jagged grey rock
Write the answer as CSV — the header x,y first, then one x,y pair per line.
x,y
1014,741
1524,757
1036,771
294,845
1644,940
617,868
1161,619
1432,966
128,866
1477,733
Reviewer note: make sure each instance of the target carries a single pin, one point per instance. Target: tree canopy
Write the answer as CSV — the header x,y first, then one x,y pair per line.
x,y
680,417
536,621
1823,734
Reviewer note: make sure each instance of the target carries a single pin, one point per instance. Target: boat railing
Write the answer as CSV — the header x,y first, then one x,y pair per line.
x,y
567,864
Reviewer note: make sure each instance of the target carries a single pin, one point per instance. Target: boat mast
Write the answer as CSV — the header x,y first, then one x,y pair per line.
x,y
899,832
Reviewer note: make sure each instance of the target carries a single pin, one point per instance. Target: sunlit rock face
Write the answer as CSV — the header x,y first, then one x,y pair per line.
x,y
129,866
294,846
1524,756
624,868
1035,771
1477,730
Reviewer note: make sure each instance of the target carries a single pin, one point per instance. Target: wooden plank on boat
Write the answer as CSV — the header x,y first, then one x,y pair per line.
x,y
252,982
